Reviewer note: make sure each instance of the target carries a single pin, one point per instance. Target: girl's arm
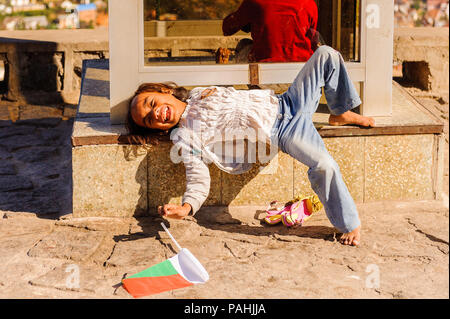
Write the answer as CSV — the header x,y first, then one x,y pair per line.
x,y
197,182
197,190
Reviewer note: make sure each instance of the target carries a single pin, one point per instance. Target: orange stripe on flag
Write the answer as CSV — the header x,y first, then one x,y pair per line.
x,y
144,286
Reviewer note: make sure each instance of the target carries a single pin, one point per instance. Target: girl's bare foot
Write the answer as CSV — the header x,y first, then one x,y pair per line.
x,y
352,238
350,117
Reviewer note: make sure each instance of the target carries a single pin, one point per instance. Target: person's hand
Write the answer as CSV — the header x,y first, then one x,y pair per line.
x,y
174,211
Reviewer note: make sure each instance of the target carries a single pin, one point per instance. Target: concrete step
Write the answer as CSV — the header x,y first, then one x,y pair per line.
x,y
400,159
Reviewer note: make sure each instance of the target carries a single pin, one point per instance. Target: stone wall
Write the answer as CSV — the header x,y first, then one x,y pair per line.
x,y
424,55
44,67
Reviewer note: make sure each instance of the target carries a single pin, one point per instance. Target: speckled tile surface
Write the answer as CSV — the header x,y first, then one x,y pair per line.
x,y
399,167
348,152
167,180
261,185
109,180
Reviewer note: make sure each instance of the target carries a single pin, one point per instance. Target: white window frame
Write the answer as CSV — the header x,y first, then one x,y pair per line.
x,y
127,69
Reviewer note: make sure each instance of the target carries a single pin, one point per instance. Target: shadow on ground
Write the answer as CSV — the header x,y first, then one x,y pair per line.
x,y
220,219
35,166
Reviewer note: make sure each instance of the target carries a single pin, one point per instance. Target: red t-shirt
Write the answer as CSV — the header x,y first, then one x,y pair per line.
x,y
282,30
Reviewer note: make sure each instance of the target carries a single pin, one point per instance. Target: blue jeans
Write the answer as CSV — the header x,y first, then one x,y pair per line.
x,y
295,134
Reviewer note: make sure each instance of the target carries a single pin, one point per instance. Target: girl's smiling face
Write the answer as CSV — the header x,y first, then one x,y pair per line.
x,y
154,110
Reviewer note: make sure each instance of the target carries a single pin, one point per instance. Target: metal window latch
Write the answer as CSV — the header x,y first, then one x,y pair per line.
x,y
253,69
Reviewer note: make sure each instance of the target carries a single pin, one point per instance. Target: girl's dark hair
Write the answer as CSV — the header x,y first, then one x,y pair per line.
x,y
141,135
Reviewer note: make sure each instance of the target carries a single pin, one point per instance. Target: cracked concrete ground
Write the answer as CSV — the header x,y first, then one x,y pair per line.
x,y
45,253
404,254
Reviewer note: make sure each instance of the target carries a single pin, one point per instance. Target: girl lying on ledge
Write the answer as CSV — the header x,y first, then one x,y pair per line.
x,y
205,114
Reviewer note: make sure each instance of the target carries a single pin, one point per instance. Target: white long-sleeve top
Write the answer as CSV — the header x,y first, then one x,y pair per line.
x,y
208,128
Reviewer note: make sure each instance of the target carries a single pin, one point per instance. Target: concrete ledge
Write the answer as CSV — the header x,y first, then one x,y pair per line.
x,y
400,159
106,182
44,67
424,53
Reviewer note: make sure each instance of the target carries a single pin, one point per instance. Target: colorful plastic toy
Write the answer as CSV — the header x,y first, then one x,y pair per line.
x,y
293,213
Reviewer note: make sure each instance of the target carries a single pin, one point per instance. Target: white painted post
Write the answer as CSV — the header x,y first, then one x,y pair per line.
x,y
124,56
378,33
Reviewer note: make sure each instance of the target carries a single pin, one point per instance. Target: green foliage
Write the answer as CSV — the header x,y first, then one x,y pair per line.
x,y
52,26
416,4
49,13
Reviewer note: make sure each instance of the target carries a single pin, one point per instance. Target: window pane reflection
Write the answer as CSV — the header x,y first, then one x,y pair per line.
x,y
183,32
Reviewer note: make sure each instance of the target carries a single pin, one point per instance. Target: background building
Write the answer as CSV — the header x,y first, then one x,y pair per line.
x,y
86,15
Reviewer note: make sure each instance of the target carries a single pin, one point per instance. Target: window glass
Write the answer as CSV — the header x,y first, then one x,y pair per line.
x,y
183,32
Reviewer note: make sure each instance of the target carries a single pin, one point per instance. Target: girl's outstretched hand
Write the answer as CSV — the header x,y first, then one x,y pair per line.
x,y
174,211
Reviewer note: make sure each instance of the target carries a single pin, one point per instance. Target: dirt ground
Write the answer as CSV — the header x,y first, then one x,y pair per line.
x,y
404,254
46,253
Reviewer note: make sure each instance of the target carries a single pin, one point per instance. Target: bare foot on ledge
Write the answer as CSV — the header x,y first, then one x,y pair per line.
x,y
352,238
350,117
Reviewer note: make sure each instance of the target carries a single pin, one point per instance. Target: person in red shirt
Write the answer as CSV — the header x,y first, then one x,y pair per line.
x,y
282,30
